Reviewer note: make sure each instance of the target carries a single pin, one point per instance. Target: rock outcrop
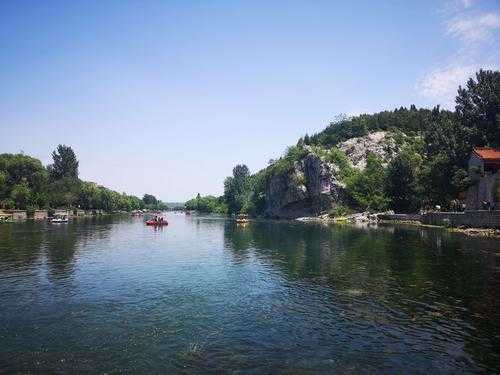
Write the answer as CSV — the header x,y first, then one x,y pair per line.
x,y
308,189
312,187
380,143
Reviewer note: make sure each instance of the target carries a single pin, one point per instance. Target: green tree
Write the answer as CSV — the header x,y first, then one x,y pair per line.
x,y
150,200
65,163
478,108
447,147
21,195
3,182
207,204
64,192
367,187
402,182
235,188
18,167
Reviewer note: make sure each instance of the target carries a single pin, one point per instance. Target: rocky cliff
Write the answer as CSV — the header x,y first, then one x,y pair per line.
x,y
379,143
307,189
312,187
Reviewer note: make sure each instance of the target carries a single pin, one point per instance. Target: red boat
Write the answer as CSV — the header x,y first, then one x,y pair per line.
x,y
157,223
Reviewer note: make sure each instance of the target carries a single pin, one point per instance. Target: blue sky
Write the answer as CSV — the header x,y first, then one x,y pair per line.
x,y
167,96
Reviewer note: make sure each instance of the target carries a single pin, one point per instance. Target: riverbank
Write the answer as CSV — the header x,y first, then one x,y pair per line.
x,y
23,215
471,223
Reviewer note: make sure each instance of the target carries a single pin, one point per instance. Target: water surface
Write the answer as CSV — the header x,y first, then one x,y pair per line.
x,y
206,296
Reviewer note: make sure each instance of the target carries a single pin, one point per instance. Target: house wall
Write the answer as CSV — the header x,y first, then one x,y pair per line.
x,y
482,190
474,161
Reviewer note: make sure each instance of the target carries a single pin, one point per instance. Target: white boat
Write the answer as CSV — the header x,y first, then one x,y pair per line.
x,y
59,219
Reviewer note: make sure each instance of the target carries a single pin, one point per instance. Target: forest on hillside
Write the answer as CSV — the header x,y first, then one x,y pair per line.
x,y
429,168
26,184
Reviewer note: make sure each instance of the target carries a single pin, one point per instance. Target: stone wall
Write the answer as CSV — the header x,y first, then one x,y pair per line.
x,y
482,190
18,214
400,217
79,213
472,219
40,214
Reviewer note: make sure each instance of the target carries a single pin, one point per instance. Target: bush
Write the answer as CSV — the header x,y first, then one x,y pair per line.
x,y
339,211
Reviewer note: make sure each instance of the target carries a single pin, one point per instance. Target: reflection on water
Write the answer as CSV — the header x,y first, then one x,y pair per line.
x,y
206,295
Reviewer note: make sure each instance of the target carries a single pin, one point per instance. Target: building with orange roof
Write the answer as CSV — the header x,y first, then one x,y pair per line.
x,y
484,171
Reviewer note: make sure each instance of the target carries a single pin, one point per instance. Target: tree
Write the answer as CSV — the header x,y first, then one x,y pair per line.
x,y
21,195
478,108
150,200
207,204
64,192
22,172
3,182
402,183
447,147
19,167
234,188
367,187
65,163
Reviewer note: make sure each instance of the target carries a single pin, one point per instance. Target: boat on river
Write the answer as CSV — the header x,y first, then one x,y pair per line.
x,y
157,223
6,219
59,219
242,219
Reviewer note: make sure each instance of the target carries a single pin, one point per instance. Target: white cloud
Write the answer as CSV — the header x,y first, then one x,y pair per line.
x,y
441,85
472,29
474,32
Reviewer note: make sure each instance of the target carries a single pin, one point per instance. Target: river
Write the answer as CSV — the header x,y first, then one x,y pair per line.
x,y
203,295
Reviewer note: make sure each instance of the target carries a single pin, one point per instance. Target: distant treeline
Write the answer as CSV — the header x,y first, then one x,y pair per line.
x,y
26,184
430,166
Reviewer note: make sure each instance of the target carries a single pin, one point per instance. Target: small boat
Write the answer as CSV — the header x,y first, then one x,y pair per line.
x,y
157,223
59,219
242,219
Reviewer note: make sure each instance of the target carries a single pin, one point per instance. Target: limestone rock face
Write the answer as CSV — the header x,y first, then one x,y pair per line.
x,y
311,188
308,189
379,143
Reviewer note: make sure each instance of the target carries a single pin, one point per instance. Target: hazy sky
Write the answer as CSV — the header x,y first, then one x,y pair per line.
x,y
167,96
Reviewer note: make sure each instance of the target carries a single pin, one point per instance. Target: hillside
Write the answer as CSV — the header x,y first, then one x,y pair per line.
x,y
405,159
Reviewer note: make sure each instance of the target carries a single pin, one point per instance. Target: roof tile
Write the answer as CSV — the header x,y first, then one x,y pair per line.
x,y
487,153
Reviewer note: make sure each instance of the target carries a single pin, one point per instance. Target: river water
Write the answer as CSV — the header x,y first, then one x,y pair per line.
x,y
203,295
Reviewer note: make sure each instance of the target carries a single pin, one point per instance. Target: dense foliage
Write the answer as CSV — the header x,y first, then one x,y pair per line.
x,y
429,168
410,121
26,184
207,204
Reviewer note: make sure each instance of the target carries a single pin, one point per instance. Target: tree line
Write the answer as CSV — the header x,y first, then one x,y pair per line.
x,y
26,184
429,167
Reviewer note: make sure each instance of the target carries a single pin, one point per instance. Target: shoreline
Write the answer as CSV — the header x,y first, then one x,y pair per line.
x,y
467,231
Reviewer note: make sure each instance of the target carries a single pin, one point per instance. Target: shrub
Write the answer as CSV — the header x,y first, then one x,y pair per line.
x,y
338,211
